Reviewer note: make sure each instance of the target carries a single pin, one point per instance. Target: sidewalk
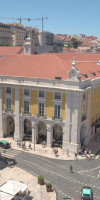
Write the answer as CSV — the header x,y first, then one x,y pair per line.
x,y
46,152
38,192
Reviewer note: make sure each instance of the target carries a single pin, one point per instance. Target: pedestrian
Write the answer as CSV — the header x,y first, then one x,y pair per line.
x,y
56,152
71,168
67,152
44,143
30,145
75,156
85,152
90,153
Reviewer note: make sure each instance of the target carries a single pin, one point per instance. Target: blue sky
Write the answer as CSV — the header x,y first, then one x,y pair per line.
x,y
64,16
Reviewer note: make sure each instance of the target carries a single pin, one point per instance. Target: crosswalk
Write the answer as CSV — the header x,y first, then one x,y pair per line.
x,y
9,153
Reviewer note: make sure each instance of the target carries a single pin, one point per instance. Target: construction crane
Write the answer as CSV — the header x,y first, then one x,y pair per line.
x,y
27,19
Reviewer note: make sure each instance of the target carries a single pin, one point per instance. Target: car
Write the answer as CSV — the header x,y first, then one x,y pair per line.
x,y
4,144
86,193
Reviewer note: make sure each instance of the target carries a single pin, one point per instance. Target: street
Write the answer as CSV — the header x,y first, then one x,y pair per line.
x,y
57,172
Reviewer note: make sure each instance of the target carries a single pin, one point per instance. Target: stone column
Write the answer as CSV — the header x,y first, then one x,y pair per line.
x,y
34,132
71,138
1,118
49,135
17,127
88,128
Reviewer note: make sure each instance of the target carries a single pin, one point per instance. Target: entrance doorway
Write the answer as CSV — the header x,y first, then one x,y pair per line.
x,y
42,132
57,135
10,126
27,130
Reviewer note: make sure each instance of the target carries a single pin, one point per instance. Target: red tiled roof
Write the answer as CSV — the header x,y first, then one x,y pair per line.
x,y
49,66
9,50
39,66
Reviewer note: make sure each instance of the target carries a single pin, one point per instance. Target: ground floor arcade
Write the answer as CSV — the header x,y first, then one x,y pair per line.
x,y
40,129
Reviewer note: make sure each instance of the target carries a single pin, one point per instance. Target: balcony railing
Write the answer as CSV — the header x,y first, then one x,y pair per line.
x,y
26,113
43,116
57,118
10,111
83,118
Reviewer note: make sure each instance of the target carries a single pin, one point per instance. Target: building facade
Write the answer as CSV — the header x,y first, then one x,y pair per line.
x,y
61,108
18,34
5,35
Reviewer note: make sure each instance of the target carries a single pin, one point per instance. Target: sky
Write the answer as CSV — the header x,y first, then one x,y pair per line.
x,y
64,16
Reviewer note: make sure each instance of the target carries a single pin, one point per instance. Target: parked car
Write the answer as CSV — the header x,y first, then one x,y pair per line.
x,y
4,144
86,193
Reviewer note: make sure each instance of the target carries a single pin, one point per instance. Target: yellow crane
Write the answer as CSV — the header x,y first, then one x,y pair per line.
x,y
27,19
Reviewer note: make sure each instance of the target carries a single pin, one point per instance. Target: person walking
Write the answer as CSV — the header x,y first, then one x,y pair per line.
x,y
75,156
90,153
71,169
67,152
30,145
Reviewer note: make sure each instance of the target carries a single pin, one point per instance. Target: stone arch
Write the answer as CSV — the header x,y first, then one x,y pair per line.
x,y
27,129
10,126
42,132
57,132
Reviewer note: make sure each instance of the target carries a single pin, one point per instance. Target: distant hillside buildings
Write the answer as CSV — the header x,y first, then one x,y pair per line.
x,y
14,34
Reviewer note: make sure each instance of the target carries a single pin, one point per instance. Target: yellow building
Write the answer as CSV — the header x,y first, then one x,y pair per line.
x,y
50,97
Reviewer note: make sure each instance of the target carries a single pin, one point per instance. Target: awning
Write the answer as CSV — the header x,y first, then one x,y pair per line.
x,y
13,187
5,196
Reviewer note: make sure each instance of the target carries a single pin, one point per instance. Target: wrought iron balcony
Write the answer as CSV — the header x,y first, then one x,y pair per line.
x,y
57,118
43,116
10,111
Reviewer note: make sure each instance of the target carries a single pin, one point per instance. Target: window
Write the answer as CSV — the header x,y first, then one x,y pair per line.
x,y
41,94
8,104
97,104
57,111
26,107
26,92
57,95
8,90
41,109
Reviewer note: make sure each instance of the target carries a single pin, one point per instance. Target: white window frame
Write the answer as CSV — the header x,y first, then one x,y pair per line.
x,y
24,93
56,117
57,99
8,106
39,94
39,108
7,92
97,103
27,100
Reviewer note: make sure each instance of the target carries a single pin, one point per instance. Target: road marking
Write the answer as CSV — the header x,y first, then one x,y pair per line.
x,y
71,179
88,170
